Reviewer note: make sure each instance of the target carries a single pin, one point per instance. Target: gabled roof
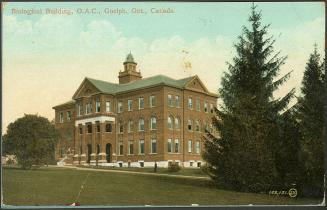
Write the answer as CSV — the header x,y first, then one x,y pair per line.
x,y
112,88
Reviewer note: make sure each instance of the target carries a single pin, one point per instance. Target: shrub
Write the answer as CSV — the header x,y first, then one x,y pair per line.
x,y
174,167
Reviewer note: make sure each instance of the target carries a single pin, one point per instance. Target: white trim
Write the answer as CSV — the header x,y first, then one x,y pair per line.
x,y
94,119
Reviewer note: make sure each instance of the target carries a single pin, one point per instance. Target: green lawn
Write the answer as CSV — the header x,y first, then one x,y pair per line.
x,y
55,186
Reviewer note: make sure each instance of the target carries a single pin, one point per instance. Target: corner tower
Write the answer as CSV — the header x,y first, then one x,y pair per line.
x,y
129,74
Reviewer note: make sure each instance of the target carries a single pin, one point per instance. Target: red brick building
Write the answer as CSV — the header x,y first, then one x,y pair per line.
x,y
137,122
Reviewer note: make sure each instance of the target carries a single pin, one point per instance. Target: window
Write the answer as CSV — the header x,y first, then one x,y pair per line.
x,y
80,109
177,123
120,107
170,100
199,164
176,145
108,106
89,128
108,127
190,103
170,122
130,126
205,107
170,145
189,145
141,103
198,104
97,105
211,108
153,124
130,148
141,164
141,147
177,101
88,108
152,101
189,125
61,117
197,147
98,126
129,104
197,126
69,115
153,145
120,148
80,130
141,124
191,164
121,127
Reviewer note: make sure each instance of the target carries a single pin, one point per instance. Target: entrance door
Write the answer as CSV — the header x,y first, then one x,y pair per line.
x,y
89,151
108,152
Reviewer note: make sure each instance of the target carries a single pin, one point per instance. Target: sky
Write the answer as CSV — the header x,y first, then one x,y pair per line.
x,y
47,56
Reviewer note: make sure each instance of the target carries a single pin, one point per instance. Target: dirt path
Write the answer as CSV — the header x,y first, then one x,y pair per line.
x,y
135,172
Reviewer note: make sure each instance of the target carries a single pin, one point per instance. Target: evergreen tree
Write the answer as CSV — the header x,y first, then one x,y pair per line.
x,y
242,157
311,106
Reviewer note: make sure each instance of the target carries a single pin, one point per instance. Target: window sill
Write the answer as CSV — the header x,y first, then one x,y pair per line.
x,y
153,153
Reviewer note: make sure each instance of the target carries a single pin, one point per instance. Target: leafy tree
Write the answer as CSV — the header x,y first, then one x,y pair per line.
x,y
242,157
32,139
311,106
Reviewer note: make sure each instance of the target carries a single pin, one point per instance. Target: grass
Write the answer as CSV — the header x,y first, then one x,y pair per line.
x,y
184,171
55,186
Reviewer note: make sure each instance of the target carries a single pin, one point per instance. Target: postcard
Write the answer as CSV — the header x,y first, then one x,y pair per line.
x,y
108,104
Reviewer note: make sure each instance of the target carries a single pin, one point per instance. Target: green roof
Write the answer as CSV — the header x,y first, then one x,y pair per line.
x,y
113,88
129,58
71,102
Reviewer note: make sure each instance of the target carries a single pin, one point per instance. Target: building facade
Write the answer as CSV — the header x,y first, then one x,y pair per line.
x,y
136,123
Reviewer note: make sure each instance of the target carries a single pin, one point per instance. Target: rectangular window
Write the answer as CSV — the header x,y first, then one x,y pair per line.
x,y
141,103
152,101
61,117
120,107
197,147
176,145
89,128
153,146
129,104
198,104
141,147
205,107
97,105
130,126
88,108
177,101
69,115
108,106
121,128
80,130
170,100
170,146
121,148
211,108
130,148
190,103
108,127
189,145
80,109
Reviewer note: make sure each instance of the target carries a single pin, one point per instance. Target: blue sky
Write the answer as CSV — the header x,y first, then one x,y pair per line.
x,y
51,54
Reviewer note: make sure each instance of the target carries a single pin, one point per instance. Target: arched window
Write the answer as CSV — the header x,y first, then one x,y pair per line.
x,y
177,123
189,125
197,125
170,122
153,123
141,124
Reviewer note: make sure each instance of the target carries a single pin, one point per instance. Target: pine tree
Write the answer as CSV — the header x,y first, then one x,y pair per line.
x,y
242,156
311,106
